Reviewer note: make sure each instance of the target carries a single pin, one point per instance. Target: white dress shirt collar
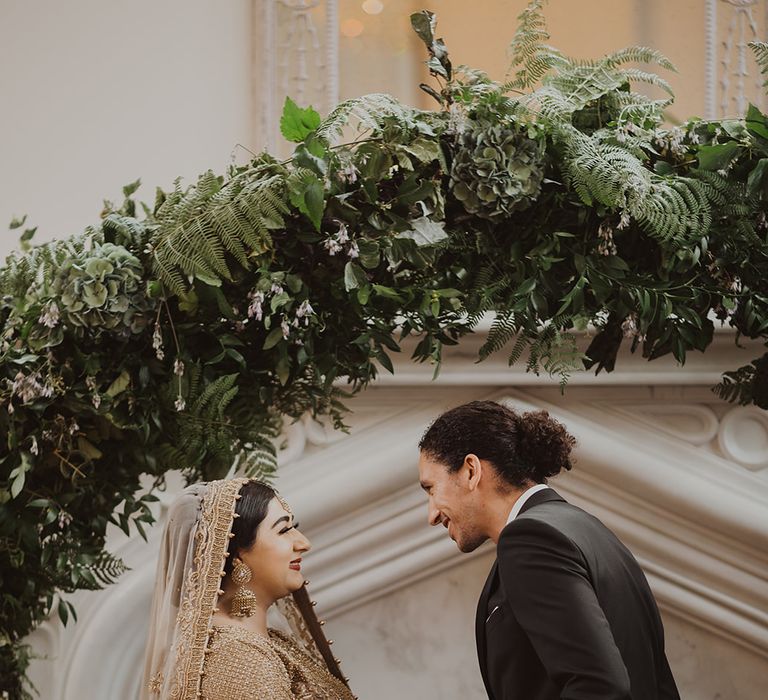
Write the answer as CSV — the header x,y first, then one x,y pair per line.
x,y
520,502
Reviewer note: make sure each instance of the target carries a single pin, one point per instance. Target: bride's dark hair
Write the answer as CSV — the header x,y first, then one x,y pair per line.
x,y
252,509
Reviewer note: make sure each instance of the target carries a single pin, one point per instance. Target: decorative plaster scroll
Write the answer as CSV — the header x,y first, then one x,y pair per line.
x,y
295,54
690,422
693,519
743,436
733,78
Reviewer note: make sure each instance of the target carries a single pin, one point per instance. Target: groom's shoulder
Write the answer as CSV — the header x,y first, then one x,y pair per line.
x,y
550,518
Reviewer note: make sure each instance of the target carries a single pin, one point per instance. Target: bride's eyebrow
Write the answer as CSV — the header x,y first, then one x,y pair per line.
x,y
285,518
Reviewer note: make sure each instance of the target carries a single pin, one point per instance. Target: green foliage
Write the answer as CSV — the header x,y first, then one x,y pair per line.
x,y
296,123
184,339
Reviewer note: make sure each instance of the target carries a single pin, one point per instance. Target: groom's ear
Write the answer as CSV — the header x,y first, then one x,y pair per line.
x,y
473,471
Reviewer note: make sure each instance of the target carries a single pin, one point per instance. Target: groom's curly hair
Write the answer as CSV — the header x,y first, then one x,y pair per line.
x,y
522,447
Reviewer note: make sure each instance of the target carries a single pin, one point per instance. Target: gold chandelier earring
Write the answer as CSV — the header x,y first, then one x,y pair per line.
x,y
244,601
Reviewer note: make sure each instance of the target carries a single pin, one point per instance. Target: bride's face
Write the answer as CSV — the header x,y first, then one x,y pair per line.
x,y
275,557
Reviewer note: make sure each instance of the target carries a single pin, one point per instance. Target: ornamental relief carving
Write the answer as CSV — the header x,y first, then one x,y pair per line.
x,y
733,77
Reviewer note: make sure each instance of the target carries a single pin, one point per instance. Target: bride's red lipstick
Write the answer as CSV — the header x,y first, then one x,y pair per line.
x,y
296,564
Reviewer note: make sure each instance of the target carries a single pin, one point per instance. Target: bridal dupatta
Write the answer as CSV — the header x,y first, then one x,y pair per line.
x,y
187,587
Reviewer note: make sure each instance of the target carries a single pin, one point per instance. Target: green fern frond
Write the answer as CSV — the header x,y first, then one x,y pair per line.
x,y
522,342
96,573
198,227
638,54
675,211
640,76
746,385
760,50
503,329
369,111
529,56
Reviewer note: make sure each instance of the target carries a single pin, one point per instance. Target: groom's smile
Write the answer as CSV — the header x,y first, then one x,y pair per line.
x,y
451,503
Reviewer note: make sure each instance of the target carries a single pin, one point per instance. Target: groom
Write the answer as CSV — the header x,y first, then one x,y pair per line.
x,y
566,611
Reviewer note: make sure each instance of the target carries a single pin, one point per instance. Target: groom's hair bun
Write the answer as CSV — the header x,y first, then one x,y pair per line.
x,y
523,447
545,444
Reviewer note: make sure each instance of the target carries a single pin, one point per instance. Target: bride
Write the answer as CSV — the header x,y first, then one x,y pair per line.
x,y
230,550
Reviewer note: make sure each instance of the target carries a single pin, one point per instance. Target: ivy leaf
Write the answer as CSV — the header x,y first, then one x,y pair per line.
x,y
756,179
119,385
19,475
369,253
296,123
354,276
425,232
717,157
88,448
756,122
274,337
423,24
425,150
131,187
17,223
308,196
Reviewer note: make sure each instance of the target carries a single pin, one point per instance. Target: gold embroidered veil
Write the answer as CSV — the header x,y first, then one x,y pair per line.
x,y
187,587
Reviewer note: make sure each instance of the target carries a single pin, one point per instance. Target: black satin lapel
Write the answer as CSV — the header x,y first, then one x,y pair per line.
x,y
481,615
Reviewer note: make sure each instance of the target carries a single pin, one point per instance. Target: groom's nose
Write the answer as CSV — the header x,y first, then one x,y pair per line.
x,y
434,516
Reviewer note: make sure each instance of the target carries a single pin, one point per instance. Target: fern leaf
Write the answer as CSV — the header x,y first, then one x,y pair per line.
x,y
368,111
760,49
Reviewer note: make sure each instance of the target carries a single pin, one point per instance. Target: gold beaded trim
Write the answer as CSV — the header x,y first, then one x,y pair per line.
x,y
203,585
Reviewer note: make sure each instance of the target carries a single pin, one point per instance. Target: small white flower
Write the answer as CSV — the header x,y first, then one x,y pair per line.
x,y
157,342
35,450
255,309
178,368
342,236
285,328
332,246
348,173
623,220
305,309
354,251
180,404
96,401
276,289
50,315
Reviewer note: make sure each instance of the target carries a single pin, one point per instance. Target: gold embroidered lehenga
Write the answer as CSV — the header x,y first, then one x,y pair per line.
x,y
188,657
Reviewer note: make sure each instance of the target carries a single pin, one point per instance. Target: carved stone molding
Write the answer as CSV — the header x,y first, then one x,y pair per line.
x,y
743,436
733,78
652,470
295,54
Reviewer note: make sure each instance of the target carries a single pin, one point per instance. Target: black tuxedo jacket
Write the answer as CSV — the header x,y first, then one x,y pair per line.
x,y
566,612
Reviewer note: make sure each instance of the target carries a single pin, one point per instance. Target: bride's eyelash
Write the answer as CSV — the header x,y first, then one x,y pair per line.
x,y
288,529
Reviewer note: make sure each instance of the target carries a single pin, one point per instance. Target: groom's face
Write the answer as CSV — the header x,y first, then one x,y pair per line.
x,y
452,502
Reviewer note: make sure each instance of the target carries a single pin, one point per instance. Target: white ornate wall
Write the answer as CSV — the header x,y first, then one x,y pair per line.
x,y
680,477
